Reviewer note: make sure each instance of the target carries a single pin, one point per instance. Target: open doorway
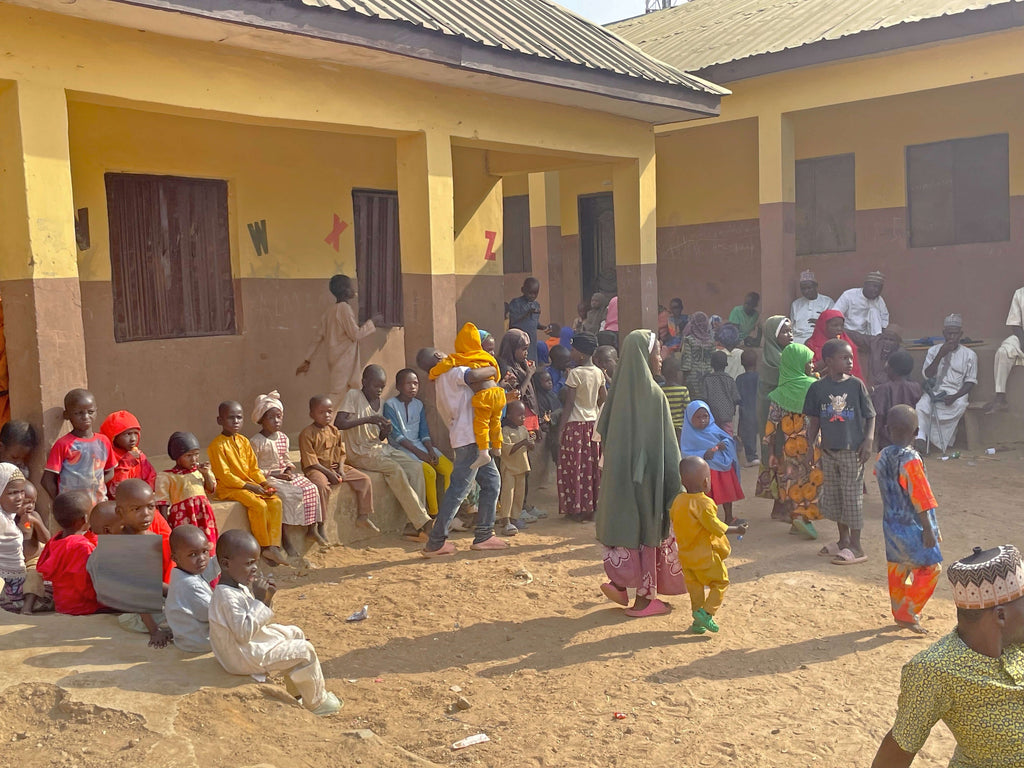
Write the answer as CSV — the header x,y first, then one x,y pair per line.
x,y
597,244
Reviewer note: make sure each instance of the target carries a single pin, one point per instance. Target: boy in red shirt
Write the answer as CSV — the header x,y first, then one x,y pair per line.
x,y
63,559
81,460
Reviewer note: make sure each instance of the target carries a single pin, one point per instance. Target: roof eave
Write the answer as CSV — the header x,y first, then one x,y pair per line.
x,y
869,43
403,39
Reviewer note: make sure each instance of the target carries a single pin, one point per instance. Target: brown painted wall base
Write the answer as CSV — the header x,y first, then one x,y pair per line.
x,y
571,280
638,297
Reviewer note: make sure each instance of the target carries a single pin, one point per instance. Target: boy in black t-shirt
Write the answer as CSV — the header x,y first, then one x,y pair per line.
x,y
838,406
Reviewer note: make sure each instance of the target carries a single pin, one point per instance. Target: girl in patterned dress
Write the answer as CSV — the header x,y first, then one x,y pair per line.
x,y
185,487
300,499
579,475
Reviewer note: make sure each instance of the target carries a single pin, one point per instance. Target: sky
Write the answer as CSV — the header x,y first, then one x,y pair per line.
x,y
604,11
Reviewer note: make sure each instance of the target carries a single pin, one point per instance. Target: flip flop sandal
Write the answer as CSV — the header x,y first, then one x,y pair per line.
x,y
653,608
829,550
847,557
448,548
615,595
805,528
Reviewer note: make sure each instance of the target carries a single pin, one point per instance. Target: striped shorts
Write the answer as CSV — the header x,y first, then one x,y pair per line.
x,y
842,492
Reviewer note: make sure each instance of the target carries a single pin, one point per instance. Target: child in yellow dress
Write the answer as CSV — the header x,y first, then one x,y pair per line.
x,y
488,398
702,541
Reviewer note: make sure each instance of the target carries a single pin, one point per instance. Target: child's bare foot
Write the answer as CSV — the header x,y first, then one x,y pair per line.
x,y
363,521
315,535
913,626
483,458
274,556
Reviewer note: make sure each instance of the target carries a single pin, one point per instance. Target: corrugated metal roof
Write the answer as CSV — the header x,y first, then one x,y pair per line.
x,y
702,33
530,27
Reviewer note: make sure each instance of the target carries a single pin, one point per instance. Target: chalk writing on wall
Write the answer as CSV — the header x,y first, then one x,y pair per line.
x,y
258,233
334,238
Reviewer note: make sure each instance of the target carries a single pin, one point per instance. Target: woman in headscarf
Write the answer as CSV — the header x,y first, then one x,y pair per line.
x,y
639,482
778,334
597,313
794,474
830,325
695,358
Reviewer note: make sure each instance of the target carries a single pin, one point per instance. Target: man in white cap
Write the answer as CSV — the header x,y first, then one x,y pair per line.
x,y
973,678
1010,352
864,308
950,373
805,310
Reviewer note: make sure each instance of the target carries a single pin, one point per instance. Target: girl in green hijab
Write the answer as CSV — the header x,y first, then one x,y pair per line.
x,y
794,477
639,482
778,334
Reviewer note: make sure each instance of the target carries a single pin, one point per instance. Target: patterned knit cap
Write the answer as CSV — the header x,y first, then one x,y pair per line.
x,y
988,578
875,277
953,321
808,277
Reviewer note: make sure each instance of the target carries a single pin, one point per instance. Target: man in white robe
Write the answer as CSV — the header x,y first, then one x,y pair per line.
x,y
805,310
1010,352
864,308
950,372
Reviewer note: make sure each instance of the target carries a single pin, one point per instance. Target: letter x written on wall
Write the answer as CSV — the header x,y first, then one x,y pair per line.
x,y
333,238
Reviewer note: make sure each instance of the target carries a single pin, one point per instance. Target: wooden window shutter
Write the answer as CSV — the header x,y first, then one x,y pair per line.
x,y
378,255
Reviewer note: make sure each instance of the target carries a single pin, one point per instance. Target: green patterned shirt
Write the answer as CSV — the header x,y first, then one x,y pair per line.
x,y
979,698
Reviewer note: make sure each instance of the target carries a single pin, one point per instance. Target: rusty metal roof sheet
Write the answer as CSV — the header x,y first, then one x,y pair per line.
x,y
530,27
702,33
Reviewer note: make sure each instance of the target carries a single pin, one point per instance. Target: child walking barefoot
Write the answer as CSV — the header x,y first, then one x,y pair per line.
x,y
184,486
908,521
579,476
706,440
300,500
839,408
702,542
244,638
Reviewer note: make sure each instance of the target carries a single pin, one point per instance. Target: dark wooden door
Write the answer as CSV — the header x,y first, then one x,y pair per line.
x,y
378,256
597,242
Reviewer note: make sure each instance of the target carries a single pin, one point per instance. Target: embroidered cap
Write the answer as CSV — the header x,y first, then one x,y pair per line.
x,y
953,321
808,277
988,578
875,277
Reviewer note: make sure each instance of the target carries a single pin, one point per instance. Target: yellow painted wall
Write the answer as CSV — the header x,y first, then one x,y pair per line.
x,y
576,182
294,179
516,185
708,174
478,209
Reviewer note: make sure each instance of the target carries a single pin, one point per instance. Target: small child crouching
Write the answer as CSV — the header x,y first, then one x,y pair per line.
x,y
244,639
702,542
187,608
63,560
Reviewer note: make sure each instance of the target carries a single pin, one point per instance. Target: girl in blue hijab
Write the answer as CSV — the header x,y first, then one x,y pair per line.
x,y
702,437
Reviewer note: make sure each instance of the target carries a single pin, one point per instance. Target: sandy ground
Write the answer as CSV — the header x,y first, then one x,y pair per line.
x,y
804,672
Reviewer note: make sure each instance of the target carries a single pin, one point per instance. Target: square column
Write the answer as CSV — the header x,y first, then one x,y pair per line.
x,y
39,285
546,243
777,210
636,241
427,239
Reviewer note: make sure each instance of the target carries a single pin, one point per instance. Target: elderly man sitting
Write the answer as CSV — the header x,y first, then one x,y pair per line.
x,y
805,310
950,372
864,308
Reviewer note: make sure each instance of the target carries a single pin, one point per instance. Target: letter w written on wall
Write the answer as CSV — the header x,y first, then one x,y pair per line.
x,y
258,233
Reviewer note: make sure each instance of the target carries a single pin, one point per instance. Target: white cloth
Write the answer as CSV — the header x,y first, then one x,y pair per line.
x,y
245,642
1010,353
804,314
862,315
455,404
12,551
587,380
734,365
339,333
187,610
937,422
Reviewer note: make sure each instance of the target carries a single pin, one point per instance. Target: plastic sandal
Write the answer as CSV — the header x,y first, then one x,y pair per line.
x,y
614,594
653,608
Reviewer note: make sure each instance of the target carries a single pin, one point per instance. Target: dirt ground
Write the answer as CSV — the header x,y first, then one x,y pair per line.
x,y
804,672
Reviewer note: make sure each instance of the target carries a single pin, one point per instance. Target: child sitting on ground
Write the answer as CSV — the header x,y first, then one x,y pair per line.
x,y
746,385
839,408
322,455
720,392
300,501
908,521
104,521
244,639
898,390
63,560
125,434
81,459
12,553
488,397
185,485
676,392
239,479
703,438
702,542
515,468
38,595
17,442
187,607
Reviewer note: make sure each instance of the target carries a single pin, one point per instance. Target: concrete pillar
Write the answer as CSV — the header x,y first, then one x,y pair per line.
x,y
636,241
546,244
777,190
39,259
427,224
